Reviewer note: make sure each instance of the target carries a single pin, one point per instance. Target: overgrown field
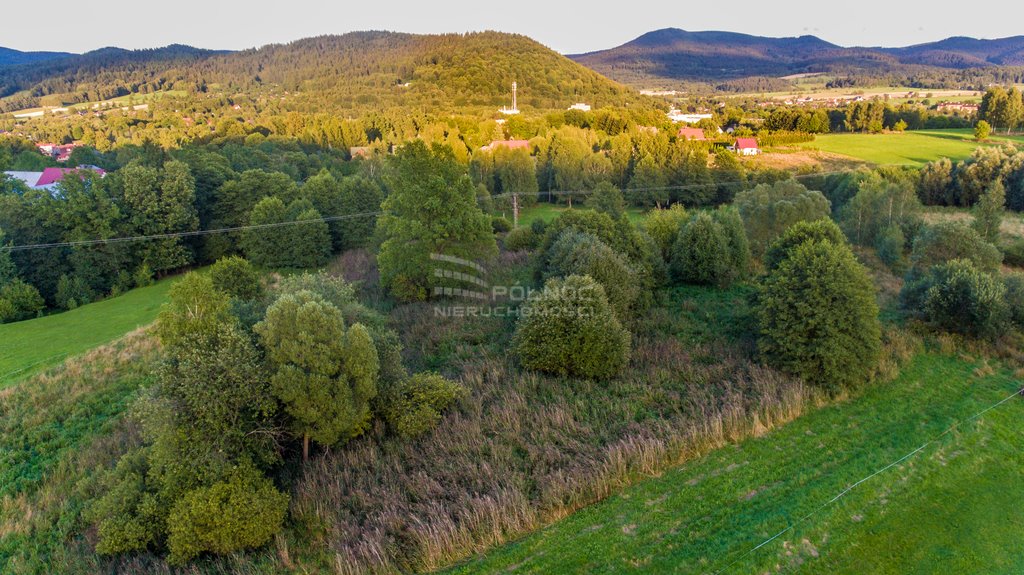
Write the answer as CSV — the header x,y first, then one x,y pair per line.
x,y
949,508
29,346
908,148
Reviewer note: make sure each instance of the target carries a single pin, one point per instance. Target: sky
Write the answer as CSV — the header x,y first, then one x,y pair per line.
x,y
568,27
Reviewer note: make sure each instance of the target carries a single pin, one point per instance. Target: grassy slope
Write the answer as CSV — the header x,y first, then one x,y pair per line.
x,y
909,148
30,346
935,512
547,212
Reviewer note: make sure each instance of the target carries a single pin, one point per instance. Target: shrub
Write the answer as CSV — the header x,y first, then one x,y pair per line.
x,y
500,225
582,254
988,212
22,301
415,405
663,226
882,201
72,291
937,245
236,277
818,317
143,276
1013,254
963,299
242,512
736,240
569,328
700,254
798,234
521,239
1014,283
890,244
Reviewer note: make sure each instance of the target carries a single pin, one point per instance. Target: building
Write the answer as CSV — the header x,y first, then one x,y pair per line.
x,y
50,177
61,153
695,134
507,144
580,106
360,152
686,118
746,147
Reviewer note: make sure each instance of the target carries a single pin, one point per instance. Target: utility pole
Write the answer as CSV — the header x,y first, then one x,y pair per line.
x,y
515,210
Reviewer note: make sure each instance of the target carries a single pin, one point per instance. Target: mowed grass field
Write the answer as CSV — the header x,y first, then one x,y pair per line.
x,y
952,507
914,148
30,346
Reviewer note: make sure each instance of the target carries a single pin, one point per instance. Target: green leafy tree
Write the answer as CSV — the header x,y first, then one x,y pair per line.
x,y
879,204
818,317
701,252
19,301
799,233
194,306
161,202
582,254
569,328
516,172
608,199
8,272
431,209
361,199
988,212
649,185
325,375
663,226
982,131
237,278
769,209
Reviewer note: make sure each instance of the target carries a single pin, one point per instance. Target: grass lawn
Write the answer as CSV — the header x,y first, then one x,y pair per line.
x,y
950,508
29,346
547,212
909,148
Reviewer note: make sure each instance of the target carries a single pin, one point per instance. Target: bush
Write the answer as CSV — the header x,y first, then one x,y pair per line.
x,y
582,254
607,198
937,245
415,405
890,244
237,278
242,512
798,234
72,291
818,317
700,254
143,276
1013,254
963,299
736,240
19,301
663,226
521,239
569,328
1014,283
500,225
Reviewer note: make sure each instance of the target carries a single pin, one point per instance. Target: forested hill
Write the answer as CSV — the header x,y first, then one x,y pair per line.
x,y
9,57
672,55
361,69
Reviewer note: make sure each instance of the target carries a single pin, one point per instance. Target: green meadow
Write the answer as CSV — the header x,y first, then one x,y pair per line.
x,y
914,148
946,508
29,346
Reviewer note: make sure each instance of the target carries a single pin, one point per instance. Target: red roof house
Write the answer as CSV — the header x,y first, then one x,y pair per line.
x,y
51,176
746,146
510,144
692,134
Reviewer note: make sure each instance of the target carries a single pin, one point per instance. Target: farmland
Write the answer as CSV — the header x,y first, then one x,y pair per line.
x,y
909,148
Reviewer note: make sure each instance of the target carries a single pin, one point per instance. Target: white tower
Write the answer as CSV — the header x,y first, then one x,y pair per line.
x,y
515,105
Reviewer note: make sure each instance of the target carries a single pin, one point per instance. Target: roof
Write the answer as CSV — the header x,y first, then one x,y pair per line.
x,y
30,178
691,133
746,143
510,144
54,175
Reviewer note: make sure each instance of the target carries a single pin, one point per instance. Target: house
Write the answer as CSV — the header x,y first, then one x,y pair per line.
x,y
507,144
746,147
50,177
687,118
61,153
580,106
695,134
360,152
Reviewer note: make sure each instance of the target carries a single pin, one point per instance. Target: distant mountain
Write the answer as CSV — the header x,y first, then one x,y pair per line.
x,y
360,69
9,57
678,55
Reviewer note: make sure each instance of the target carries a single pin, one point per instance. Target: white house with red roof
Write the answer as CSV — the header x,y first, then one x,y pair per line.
x,y
50,177
508,144
746,147
696,134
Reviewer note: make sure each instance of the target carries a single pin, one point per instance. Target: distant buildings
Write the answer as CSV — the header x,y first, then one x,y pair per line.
x,y
50,177
508,144
696,134
61,153
746,147
360,152
687,118
580,106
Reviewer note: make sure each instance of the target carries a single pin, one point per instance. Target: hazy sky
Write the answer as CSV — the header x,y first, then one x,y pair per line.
x,y
568,27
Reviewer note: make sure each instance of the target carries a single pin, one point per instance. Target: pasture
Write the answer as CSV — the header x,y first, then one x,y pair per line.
x,y
914,148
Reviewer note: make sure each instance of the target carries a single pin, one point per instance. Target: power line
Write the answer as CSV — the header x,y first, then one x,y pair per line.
x,y
198,233
877,472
